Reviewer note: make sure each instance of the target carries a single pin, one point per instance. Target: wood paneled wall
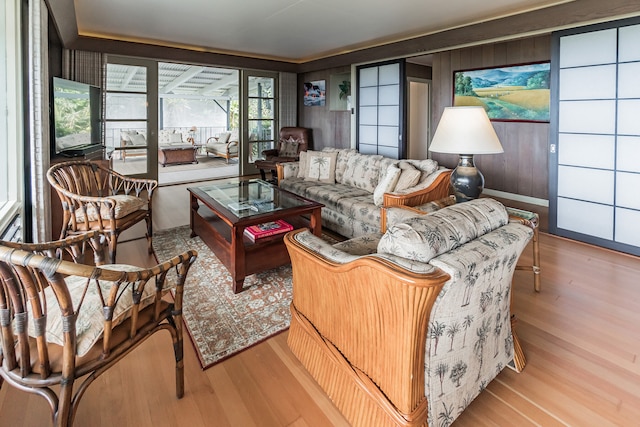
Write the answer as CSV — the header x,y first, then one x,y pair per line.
x,y
523,168
330,128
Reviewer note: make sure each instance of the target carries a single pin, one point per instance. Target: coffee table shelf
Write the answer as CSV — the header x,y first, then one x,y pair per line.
x,y
223,231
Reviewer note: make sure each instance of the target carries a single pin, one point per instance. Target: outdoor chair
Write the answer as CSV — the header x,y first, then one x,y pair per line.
x,y
292,141
97,198
63,324
224,145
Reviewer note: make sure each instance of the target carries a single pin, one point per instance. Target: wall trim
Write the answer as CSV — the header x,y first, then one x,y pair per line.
x,y
516,197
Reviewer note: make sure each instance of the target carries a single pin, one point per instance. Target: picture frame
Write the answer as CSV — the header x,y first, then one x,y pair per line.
x,y
508,93
315,93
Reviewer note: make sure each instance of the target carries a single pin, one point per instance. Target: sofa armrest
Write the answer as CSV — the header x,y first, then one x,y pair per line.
x,y
371,318
438,189
287,170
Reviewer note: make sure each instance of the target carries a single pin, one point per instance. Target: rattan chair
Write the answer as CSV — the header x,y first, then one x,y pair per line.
x,y
64,324
110,201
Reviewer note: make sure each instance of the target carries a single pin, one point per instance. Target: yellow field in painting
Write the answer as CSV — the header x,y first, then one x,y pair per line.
x,y
533,99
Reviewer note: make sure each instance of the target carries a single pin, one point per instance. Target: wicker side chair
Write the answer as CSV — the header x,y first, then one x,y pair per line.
x,y
110,201
63,324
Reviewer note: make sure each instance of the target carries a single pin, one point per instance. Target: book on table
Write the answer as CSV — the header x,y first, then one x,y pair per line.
x,y
266,229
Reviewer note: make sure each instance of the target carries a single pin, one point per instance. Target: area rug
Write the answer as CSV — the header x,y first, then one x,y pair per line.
x,y
220,322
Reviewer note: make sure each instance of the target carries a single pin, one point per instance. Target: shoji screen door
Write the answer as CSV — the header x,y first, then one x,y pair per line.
x,y
595,141
380,119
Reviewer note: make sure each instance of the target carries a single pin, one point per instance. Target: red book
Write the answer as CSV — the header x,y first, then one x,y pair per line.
x,y
266,229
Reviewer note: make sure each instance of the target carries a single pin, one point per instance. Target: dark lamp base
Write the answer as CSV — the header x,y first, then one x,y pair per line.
x,y
466,179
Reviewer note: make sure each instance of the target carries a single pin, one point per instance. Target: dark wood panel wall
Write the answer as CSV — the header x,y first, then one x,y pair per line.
x,y
523,168
330,128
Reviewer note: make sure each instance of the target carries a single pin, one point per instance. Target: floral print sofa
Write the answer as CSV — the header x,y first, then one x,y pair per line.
x,y
406,328
354,186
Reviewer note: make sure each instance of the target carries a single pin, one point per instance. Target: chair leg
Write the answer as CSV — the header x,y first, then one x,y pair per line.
x,y
263,175
113,240
64,415
149,234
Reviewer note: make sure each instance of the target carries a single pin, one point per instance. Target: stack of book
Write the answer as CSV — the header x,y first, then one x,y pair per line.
x,y
256,232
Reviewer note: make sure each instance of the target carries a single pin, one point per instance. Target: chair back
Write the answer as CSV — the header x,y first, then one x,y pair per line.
x,y
304,137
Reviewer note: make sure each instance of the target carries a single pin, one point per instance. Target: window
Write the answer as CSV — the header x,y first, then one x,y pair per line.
x,y
10,113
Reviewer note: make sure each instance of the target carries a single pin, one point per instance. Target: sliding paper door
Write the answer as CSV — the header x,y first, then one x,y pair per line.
x,y
380,119
595,142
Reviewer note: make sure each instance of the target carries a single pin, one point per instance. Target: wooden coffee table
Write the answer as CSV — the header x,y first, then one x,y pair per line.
x,y
213,217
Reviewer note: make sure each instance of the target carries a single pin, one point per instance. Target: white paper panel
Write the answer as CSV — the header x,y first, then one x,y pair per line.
x,y
390,74
593,151
368,115
368,77
572,215
588,83
587,117
629,117
388,136
367,149
389,116
628,154
627,229
594,48
628,45
368,135
389,95
369,96
628,190
593,185
629,80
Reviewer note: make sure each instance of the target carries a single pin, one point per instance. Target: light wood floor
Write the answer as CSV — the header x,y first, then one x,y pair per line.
x,y
580,335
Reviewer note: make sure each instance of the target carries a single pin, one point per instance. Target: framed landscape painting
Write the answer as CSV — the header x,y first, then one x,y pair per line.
x,y
509,93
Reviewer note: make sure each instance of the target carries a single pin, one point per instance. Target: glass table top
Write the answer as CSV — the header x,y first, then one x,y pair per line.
x,y
253,197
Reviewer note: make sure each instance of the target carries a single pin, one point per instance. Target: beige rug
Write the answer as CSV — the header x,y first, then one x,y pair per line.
x,y
220,322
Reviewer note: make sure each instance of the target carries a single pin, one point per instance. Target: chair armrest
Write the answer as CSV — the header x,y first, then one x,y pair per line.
x,y
75,246
439,189
370,303
272,152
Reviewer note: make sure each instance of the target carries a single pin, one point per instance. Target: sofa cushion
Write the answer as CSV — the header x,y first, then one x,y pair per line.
x,y
125,205
409,177
341,160
304,163
321,167
89,322
386,185
223,138
362,171
425,237
330,195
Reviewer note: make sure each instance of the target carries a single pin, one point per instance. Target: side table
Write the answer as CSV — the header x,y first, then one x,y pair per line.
x,y
531,219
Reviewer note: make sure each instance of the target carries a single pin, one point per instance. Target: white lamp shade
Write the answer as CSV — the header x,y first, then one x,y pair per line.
x,y
465,130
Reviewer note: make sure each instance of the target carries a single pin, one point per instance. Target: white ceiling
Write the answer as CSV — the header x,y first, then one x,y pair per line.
x,y
289,30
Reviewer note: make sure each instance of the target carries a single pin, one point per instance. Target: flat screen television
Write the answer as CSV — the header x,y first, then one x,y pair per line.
x,y
76,118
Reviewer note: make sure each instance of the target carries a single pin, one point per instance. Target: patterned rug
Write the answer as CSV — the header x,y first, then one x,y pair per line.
x,y
220,322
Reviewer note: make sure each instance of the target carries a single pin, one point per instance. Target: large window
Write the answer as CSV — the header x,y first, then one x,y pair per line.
x,y
10,113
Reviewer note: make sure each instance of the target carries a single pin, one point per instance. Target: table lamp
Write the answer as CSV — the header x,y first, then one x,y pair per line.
x,y
466,131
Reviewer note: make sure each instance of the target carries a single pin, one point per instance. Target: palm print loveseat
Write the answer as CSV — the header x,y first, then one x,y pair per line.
x,y
354,186
406,328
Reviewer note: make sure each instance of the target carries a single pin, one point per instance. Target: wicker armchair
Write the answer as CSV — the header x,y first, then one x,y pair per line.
x,y
111,202
64,323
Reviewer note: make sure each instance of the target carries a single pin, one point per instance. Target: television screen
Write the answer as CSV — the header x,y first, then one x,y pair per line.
x,y
76,116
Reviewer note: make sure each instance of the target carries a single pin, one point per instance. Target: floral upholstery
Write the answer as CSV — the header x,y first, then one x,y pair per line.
x,y
125,204
353,201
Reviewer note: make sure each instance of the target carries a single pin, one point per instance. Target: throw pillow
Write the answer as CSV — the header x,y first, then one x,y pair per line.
x,y
223,138
303,163
90,318
321,167
138,140
175,138
125,204
408,177
386,184
427,236
288,148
